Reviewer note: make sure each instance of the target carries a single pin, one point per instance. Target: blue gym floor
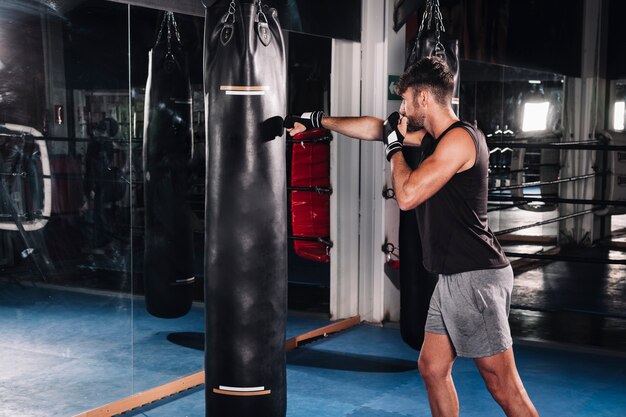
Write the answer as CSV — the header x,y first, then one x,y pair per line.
x,y
64,352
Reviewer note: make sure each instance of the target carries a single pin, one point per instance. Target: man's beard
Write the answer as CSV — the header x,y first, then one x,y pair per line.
x,y
415,123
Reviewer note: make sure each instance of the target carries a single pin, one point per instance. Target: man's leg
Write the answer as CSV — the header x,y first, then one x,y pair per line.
x,y
505,384
435,365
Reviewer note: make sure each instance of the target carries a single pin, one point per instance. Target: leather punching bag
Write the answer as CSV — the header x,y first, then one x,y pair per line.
x,y
416,283
246,212
167,149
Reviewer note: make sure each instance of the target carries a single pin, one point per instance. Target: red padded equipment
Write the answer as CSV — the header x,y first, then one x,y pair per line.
x,y
310,202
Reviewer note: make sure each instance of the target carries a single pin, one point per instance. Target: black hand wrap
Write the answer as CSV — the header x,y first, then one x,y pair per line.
x,y
310,120
391,135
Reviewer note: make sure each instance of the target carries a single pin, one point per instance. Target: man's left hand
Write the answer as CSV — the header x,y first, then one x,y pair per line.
x,y
391,135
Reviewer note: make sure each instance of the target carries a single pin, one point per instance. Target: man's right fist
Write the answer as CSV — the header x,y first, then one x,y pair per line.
x,y
391,135
310,120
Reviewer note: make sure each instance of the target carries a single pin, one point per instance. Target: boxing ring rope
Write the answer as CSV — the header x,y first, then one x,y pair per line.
x,y
326,242
521,200
567,258
540,183
319,190
325,139
591,145
531,198
505,207
544,222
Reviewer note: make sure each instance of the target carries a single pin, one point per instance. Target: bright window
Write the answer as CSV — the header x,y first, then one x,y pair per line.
x,y
618,115
535,116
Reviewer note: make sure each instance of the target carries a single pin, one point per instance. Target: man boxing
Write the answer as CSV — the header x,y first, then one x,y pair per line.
x,y
468,314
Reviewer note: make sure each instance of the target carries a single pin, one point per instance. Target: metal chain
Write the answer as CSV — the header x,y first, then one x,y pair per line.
x,y
260,12
421,29
161,30
176,29
432,12
439,17
170,21
232,8
169,32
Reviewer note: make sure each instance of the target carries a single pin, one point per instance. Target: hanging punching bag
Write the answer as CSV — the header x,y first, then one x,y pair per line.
x,y
416,283
246,212
167,149
431,40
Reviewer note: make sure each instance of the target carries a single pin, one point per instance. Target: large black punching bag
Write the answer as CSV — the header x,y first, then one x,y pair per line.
x,y
416,283
246,212
167,149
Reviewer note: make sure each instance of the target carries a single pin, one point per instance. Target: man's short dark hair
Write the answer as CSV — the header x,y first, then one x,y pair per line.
x,y
431,72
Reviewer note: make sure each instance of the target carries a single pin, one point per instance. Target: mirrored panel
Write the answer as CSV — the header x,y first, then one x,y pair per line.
x,y
65,203
518,110
168,145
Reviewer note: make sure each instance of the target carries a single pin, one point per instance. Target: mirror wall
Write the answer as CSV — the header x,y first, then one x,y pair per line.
x,y
75,330
515,106
66,231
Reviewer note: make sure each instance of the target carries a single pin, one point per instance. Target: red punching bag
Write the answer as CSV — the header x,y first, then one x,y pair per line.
x,y
310,194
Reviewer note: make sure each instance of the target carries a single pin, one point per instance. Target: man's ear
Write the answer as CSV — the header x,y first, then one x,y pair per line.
x,y
422,96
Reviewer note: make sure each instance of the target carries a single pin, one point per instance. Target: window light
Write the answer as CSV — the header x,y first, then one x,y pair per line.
x,y
535,116
618,115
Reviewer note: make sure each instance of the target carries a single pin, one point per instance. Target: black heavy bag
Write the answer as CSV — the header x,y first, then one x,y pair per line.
x,y
167,148
416,283
246,212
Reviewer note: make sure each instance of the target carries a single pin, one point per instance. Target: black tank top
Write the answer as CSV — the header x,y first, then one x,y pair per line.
x,y
453,222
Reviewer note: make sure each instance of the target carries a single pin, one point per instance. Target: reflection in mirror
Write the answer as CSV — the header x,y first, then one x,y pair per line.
x,y
308,78
619,106
516,107
168,144
65,200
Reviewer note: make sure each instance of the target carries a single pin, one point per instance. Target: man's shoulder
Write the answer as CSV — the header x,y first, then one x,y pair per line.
x,y
468,130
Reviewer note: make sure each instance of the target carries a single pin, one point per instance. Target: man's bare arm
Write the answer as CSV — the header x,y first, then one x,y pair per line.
x,y
362,127
455,153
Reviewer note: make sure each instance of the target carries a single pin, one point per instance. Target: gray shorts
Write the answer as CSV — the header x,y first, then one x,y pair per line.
x,y
473,309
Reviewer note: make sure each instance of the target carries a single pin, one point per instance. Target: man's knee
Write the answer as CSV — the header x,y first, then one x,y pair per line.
x,y
433,370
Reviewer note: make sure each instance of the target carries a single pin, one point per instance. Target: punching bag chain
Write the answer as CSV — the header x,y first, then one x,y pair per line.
x,y
173,22
433,12
168,20
232,8
260,12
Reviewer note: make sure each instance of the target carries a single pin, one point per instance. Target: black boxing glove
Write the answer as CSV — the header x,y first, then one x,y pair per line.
x,y
310,120
391,135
